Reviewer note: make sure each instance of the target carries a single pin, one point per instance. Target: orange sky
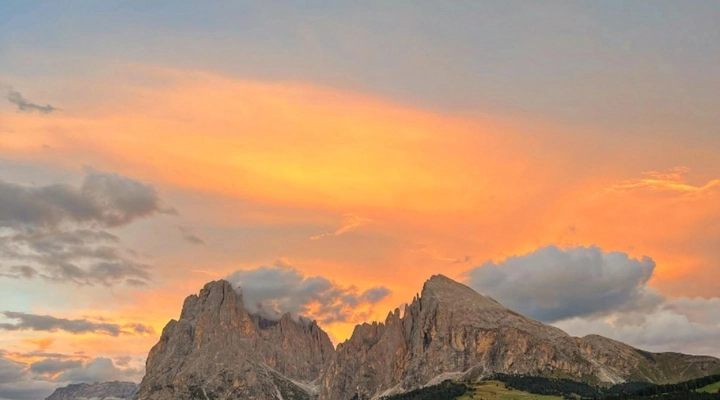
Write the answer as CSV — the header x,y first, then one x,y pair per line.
x,y
356,147
352,187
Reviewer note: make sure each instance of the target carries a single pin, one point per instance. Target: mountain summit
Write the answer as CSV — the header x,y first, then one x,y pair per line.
x,y
452,332
217,350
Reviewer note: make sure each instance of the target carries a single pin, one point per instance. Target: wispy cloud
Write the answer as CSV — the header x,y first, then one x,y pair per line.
x,y
350,223
25,105
672,180
48,323
190,237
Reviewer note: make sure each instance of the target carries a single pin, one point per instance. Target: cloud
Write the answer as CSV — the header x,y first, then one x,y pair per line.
x,y
10,371
584,290
670,327
103,199
350,223
37,380
42,343
56,231
99,370
16,381
52,366
23,104
283,288
190,237
20,271
81,256
670,181
552,284
123,360
375,294
33,322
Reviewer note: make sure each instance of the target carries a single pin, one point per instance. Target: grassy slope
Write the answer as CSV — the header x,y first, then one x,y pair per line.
x,y
713,388
494,390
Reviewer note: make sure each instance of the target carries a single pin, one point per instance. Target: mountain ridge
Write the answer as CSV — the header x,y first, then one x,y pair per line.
x,y
217,349
112,390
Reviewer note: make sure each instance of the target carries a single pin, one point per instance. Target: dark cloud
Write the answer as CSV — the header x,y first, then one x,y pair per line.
x,y
283,288
139,329
81,256
190,237
584,291
552,284
53,366
375,295
99,370
20,271
103,199
33,322
123,361
23,104
10,371
56,231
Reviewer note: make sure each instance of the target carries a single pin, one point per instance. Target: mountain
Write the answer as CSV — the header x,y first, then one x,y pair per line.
x,y
217,350
452,332
96,391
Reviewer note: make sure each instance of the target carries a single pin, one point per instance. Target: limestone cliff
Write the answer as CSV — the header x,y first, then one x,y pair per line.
x,y
217,350
451,331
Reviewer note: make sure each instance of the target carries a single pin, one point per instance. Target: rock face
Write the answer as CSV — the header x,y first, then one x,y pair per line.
x,y
96,391
217,350
451,331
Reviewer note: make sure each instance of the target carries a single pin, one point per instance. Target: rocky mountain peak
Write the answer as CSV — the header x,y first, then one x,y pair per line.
x,y
217,349
452,332
454,294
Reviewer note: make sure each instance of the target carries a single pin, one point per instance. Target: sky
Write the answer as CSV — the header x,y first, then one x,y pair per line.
x,y
562,157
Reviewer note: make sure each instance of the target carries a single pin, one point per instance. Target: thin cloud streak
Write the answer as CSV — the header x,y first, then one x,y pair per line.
x,y
24,105
351,222
48,323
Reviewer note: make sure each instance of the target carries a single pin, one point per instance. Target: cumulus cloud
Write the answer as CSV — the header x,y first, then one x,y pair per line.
x,y
56,232
25,105
19,380
667,328
585,290
104,199
33,322
551,284
99,370
375,295
10,371
53,366
285,289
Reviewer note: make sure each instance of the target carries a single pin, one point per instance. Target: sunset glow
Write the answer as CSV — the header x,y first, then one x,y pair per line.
x,y
328,175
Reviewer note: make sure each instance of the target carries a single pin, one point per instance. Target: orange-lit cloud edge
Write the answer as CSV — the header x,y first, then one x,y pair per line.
x,y
445,192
